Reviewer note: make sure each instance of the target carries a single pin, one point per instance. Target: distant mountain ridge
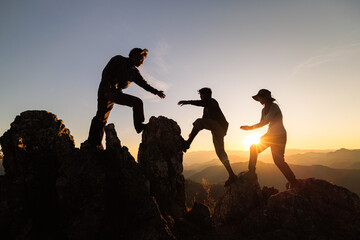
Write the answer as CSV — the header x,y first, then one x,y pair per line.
x,y
269,174
340,166
342,159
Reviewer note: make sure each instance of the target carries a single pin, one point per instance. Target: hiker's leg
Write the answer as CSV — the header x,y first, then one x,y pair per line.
x,y
198,125
255,149
277,151
137,106
218,140
98,123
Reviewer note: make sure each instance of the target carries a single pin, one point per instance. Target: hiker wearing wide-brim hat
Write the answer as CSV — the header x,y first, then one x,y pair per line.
x,y
263,93
275,138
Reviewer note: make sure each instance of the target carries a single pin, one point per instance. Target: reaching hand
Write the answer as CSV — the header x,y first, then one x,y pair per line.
x,y
246,127
181,103
161,94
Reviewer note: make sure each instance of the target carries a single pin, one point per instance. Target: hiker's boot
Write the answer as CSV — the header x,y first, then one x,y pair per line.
x,y
140,127
296,184
185,145
230,180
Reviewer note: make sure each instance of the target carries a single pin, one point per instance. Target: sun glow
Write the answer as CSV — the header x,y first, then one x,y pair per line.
x,y
253,138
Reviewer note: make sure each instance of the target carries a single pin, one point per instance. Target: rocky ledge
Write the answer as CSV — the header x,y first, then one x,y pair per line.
x,y
52,190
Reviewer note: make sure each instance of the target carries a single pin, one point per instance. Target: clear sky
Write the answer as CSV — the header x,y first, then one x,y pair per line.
x,y
307,53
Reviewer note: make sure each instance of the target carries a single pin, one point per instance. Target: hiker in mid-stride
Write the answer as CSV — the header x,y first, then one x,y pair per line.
x,y
117,75
214,120
275,138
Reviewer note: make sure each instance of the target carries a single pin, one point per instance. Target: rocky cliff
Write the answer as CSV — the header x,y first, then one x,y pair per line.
x,y
52,190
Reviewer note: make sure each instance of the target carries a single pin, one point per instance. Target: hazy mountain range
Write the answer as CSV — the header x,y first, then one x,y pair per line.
x,y
341,167
342,158
191,159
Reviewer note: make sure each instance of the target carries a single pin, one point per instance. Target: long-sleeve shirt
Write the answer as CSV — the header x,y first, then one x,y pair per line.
x,y
119,73
211,111
274,118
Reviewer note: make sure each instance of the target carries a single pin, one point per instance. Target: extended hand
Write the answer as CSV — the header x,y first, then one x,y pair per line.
x,y
181,103
161,94
246,127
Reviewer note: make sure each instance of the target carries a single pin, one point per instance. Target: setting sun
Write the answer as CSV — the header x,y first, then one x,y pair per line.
x,y
253,138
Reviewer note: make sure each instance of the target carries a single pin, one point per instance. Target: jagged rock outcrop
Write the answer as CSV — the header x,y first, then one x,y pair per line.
x,y
52,190
108,194
33,150
315,210
160,157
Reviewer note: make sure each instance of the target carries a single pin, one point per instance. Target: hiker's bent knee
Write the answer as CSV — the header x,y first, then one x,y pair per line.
x,y
100,118
137,102
253,148
198,124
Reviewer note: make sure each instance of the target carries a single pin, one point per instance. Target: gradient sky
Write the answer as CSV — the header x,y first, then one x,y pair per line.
x,y
307,53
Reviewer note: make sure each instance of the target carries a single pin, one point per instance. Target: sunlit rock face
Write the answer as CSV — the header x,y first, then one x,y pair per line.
x,y
52,190
160,157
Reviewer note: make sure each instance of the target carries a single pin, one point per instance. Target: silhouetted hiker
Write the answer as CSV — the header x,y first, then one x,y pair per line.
x,y
275,138
214,120
118,74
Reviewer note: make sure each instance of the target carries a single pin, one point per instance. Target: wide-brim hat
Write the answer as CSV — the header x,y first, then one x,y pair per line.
x,y
262,93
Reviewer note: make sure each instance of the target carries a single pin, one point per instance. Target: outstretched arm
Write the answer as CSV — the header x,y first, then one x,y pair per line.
x,y
262,123
191,102
255,126
265,119
139,80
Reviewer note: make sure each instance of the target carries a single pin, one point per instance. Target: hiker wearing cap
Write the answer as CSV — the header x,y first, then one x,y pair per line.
x,y
214,120
117,75
275,138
